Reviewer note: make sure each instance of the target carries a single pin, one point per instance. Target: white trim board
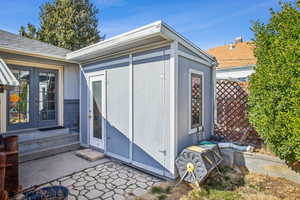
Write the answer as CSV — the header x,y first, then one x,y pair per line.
x,y
105,64
3,107
126,52
80,106
194,58
125,60
151,55
130,107
193,71
173,104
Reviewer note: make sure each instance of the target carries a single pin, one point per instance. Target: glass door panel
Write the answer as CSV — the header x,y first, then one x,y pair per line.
x,y
96,111
97,102
47,97
18,99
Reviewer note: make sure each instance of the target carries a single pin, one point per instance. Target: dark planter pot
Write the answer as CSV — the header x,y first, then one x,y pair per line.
x,y
2,170
47,193
11,143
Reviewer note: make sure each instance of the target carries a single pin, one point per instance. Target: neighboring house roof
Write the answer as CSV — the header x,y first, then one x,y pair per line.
x,y
238,54
137,38
17,43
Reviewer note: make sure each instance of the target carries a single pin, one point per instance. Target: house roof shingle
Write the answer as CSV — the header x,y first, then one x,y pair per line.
x,y
240,55
16,42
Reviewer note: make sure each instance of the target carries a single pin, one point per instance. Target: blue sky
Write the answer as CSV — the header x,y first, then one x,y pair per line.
x,y
207,23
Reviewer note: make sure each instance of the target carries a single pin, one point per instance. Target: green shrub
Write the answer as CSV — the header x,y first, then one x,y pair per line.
x,y
274,101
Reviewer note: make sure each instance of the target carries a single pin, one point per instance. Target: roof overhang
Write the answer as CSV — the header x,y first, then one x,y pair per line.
x,y
34,54
6,76
156,32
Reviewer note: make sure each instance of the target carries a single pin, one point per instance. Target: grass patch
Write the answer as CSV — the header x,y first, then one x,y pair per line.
x,y
212,194
162,197
161,190
156,190
232,185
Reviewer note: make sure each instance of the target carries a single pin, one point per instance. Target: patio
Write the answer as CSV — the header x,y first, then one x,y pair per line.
x,y
102,179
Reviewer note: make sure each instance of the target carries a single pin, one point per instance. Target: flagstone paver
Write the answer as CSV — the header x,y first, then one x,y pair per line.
x,y
110,180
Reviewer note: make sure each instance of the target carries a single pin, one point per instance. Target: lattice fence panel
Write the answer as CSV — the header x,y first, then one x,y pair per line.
x,y
232,120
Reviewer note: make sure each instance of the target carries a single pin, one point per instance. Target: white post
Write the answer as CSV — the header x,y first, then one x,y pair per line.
x,y
173,104
130,107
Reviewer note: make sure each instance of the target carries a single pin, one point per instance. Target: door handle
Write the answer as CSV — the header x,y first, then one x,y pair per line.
x,y
163,151
90,116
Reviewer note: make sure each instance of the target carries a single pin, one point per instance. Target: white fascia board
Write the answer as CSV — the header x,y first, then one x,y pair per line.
x,y
172,34
239,68
117,41
157,28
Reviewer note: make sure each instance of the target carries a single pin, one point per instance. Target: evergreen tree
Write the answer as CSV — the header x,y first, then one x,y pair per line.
x,y
70,24
274,101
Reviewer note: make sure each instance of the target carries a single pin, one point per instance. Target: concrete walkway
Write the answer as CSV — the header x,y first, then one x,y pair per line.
x,y
103,179
40,171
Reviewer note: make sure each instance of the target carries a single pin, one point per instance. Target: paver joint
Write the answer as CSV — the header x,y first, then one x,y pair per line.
x,y
110,180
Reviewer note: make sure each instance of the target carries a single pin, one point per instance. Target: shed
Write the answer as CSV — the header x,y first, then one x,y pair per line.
x,y
144,96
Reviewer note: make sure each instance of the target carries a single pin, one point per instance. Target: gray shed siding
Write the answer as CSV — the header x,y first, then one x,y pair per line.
x,y
117,103
151,114
151,99
84,92
184,138
186,50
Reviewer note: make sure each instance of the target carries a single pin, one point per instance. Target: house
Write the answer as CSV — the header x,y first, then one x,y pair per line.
x,y
39,90
236,60
145,95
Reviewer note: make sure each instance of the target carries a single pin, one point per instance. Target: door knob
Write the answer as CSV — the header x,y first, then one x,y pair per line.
x,y
163,151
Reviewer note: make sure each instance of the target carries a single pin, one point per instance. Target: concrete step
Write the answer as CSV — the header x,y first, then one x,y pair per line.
x,y
51,140
44,152
36,134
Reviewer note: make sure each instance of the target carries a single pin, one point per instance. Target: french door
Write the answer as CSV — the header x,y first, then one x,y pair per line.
x,y
97,110
34,103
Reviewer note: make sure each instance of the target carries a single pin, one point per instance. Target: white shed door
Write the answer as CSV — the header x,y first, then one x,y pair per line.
x,y
149,116
97,110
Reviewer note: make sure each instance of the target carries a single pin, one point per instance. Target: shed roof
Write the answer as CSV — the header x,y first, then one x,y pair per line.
x,y
151,33
238,55
14,42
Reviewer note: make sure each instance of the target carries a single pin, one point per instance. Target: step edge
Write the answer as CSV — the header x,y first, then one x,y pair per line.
x,y
64,135
25,157
49,148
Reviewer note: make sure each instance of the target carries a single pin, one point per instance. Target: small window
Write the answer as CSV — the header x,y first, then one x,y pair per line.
x,y
196,101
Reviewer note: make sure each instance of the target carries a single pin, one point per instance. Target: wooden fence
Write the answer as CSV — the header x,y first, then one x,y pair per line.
x,y
232,120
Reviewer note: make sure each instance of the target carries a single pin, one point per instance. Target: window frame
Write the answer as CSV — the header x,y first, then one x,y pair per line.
x,y
199,128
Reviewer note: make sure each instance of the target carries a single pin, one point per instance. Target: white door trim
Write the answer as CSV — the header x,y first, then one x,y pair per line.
x,y
94,76
130,108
